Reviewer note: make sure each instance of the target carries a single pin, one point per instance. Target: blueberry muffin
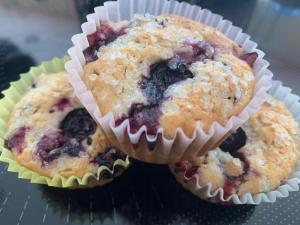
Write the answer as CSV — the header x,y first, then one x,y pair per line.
x,y
49,132
258,157
167,72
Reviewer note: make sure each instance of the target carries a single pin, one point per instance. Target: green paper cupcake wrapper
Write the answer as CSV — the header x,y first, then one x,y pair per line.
x,y
11,96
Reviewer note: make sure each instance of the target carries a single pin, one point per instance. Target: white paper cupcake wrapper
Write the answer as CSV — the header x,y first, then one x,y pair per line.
x,y
181,146
292,103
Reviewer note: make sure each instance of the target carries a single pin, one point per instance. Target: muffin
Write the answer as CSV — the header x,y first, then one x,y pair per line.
x,y
167,72
50,133
259,157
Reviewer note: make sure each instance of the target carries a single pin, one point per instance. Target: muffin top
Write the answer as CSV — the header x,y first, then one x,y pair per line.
x,y
258,157
50,132
167,72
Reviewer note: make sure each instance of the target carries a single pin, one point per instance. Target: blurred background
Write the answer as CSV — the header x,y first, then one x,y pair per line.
x,y
35,30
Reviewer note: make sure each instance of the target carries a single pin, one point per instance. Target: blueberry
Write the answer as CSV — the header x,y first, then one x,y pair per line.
x,y
104,35
139,115
147,115
51,146
161,77
153,87
234,142
16,141
108,158
200,50
48,147
78,124
49,155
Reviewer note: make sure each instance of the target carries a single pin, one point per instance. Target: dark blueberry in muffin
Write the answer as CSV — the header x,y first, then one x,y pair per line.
x,y
78,124
109,157
161,77
51,146
153,87
71,148
250,58
103,36
48,147
16,141
234,142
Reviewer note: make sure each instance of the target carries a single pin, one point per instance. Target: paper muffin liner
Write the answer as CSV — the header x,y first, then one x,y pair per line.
x,y
292,103
11,96
181,146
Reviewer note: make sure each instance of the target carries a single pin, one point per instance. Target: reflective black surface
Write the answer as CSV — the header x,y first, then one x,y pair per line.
x,y
145,194
35,30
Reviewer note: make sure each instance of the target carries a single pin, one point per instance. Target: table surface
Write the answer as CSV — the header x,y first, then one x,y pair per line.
x,y
36,30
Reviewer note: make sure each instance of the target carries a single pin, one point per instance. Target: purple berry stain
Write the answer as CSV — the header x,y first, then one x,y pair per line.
x,y
232,183
16,141
186,168
161,77
140,115
51,146
201,50
104,35
48,147
62,104
76,126
191,172
249,58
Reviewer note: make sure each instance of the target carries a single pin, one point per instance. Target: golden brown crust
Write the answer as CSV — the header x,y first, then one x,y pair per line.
x,y
221,88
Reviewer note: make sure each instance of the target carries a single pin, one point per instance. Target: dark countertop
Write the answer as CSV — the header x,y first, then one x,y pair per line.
x,y
32,31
